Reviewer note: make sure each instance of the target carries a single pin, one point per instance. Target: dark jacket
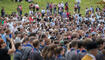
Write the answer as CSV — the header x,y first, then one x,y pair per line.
x,y
26,51
72,55
60,57
52,58
35,55
100,56
18,55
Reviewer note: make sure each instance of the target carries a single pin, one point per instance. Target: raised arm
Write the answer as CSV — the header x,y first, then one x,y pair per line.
x,y
12,50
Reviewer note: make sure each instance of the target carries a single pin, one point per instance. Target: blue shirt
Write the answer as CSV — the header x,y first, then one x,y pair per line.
x,y
3,37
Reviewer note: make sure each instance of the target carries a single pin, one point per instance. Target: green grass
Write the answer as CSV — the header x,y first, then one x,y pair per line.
x,y
11,6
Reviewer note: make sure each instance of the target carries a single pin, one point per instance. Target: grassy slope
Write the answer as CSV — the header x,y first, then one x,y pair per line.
x,y
11,6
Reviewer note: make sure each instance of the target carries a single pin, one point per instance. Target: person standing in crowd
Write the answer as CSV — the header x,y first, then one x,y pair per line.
x,y
75,8
67,7
19,10
3,36
31,6
4,52
51,7
31,12
20,7
92,51
78,2
100,55
60,53
42,45
72,54
92,9
2,12
78,5
35,53
18,53
43,12
37,7
55,9
97,9
27,48
48,52
47,6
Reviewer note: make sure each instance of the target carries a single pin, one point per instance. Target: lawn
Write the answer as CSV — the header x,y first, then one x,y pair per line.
x,y
11,6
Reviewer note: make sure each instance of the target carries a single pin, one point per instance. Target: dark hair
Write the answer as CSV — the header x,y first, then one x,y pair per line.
x,y
17,45
36,43
43,36
74,43
86,41
49,51
41,40
26,39
99,41
32,39
58,50
7,31
45,52
32,34
91,45
80,44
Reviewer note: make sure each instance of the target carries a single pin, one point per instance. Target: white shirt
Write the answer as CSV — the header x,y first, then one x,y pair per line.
x,y
62,4
43,11
59,5
30,12
36,6
78,1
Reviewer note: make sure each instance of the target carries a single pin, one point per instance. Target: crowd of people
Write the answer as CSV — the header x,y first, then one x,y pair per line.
x,y
53,34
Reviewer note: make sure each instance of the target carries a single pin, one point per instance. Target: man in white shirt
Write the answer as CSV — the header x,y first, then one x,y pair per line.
x,y
43,12
78,1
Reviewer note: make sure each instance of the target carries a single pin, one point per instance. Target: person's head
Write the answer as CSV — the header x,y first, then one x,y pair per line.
x,y
74,44
7,31
36,43
49,51
42,42
103,51
26,40
18,46
92,48
31,39
48,41
86,41
2,43
59,51
100,43
74,35
81,44
43,36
